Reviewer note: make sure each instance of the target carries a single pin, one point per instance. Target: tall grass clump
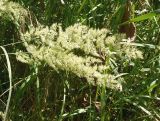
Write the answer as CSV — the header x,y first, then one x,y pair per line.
x,y
87,60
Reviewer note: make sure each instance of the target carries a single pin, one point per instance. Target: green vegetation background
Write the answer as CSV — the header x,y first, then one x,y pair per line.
x,y
41,92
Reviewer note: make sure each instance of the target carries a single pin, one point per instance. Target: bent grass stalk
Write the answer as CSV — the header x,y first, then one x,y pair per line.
x,y
10,80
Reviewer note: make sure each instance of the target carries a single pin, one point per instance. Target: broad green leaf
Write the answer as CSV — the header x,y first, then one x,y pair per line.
x,y
141,18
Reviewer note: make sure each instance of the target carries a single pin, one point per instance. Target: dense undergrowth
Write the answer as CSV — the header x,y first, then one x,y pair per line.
x,y
70,61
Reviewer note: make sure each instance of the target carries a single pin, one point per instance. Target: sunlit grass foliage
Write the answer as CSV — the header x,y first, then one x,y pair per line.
x,y
68,60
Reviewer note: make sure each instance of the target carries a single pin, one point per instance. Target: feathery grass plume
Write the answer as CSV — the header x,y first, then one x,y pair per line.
x,y
13,19
2,117
79,49
13,11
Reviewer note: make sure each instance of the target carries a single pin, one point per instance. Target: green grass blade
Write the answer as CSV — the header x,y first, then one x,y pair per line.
x,y
83,3
141,18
